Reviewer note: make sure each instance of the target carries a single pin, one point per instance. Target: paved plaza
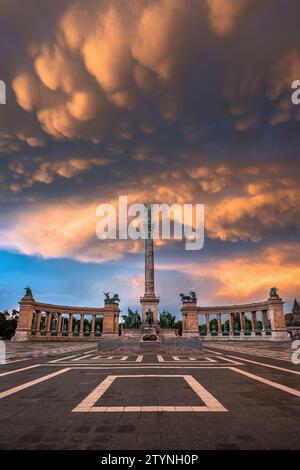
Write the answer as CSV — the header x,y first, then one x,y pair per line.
x,y
231,396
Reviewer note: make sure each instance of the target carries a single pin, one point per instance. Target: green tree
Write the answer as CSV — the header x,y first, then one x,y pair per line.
x,y
8,323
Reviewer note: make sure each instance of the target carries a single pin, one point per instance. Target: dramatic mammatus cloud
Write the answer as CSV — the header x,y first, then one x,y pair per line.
x,y
224,16
240,278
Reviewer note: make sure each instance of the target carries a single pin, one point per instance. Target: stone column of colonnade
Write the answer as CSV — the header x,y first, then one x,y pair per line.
x,y
264,320
230,317
253,323
48,323
242,323
38,317
70,324
58,324
93,325
81,332
219,320
208,332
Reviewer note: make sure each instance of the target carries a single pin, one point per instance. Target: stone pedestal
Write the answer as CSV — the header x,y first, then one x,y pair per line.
x,y
23,331
190,328
111,321
150,302
276,313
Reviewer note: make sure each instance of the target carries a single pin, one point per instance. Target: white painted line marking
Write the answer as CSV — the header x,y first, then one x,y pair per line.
x,y
17,360
176,358
88,404
160,358
96,357
13,390
284,388
124,358
18,370
81,357
62,359
139,358
210,360
192,359
110,357
222,358
150,367
269,365
250,353
214,352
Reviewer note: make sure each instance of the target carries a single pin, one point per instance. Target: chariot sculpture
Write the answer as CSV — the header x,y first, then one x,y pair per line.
x,y
188,298
111,300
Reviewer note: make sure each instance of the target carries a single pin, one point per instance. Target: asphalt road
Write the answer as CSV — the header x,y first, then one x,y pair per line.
x,y
222,399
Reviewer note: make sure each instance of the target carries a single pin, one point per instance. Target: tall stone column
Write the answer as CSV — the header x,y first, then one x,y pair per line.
x,y
149,299
276,312
23,331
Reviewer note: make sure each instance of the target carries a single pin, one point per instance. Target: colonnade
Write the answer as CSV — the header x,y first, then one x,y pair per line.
x,y
238,325
272,320
39,321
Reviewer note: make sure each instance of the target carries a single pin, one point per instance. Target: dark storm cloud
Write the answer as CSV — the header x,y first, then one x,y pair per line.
x,y
163,100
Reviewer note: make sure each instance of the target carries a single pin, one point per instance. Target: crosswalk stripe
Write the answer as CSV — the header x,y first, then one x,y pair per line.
x,y
13,390
270,365
81,357
18,370
62,359
139,359
209,359
284,388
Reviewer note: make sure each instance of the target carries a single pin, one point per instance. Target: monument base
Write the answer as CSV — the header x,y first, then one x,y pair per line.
x,y
168,333
150,302
22,335
190,334
150,346
280,335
